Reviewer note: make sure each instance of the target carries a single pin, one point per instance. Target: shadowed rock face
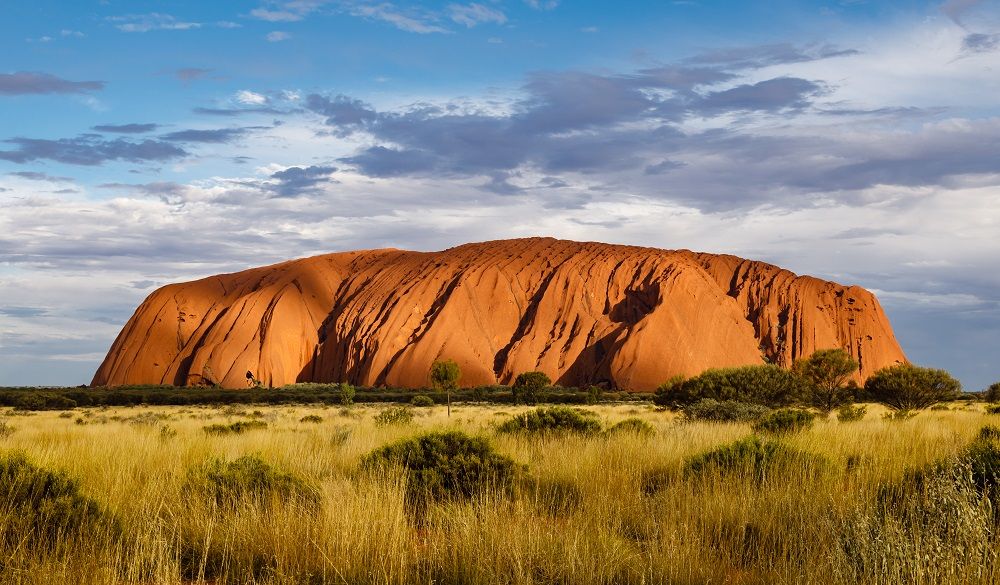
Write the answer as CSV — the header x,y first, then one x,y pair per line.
x,y
582,313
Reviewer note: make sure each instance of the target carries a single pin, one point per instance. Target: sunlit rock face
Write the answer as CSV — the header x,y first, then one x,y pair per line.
x,y
582,312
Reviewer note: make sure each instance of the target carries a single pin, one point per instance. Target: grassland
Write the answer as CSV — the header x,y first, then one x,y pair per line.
x,y
611,508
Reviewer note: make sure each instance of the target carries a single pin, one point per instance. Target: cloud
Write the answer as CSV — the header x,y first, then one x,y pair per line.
x,y
287,10
89,150
769,96
277,36
125,128
345,114
980,43
140,23
295,181
36,176
212,136
411,21
29,82
250,98
191,73
470,15
542,4
956,9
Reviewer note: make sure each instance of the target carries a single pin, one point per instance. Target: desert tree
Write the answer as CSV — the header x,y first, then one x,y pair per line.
x,y
444,376
905,387
827,374
527,385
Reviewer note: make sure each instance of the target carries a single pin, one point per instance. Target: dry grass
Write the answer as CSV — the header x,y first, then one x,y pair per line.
x,y
601,522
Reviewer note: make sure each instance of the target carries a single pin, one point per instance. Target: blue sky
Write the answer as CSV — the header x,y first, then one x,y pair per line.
x,y
148,142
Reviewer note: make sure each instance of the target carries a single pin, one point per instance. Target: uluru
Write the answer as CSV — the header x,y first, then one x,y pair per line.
x,y
582,312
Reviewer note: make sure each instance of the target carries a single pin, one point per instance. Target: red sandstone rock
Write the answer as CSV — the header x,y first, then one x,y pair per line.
x,y
580,312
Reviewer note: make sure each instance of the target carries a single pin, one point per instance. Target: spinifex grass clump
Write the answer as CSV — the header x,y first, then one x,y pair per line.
x,y
397,415
753,457
311,418
851,413
785,421
632,426
39,507
235,428
709,409
556,419
248,479
448,465
6,429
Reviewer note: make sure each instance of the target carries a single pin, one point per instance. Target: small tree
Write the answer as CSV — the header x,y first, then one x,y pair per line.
x,y
346,392
527,385
827,373
444,376
992,394
906,387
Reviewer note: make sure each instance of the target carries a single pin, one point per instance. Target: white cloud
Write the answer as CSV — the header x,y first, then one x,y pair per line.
x,y
250,98
470,15
152,21
277,36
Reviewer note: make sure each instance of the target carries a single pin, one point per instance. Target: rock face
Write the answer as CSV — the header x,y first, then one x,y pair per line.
x,y
583,313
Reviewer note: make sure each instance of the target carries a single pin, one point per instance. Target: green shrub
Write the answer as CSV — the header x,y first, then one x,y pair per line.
x,y
528,385
851,413
632,426
993,409
827,374
235,428
768,385
905,387
554,419
753,457
709,409
989,433
41,506
346,393
248,478
445,375
983,457
311,418
447,465
898,415
422,401
396,415
992,394
785,421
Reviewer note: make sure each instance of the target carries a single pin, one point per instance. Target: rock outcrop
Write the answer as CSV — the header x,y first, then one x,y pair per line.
x,y
582,313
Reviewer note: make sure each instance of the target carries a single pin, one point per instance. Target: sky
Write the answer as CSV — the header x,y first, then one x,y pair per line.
x,y
143,143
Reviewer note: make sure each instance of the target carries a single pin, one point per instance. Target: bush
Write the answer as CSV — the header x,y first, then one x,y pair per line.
x,y
767,385
422,401
445,375
709,409
249,478
754,457
527,386
851,413
555,419
993,409
396,415
989,433
42,506
992,394
785,421
448,465
827,374
235,428
346,392
6,429
632,426
311,418
906,387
